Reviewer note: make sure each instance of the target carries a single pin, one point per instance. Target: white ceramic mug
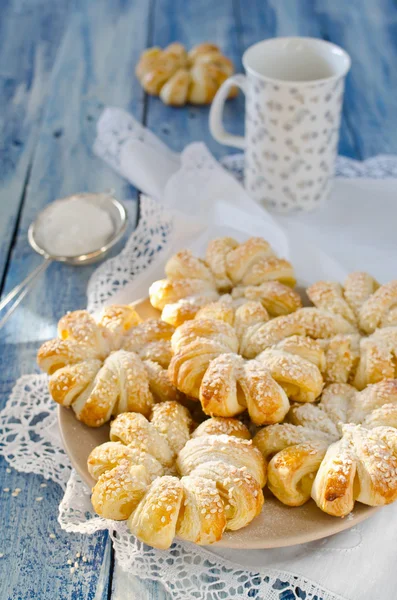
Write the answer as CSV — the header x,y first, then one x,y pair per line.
x,y
294,94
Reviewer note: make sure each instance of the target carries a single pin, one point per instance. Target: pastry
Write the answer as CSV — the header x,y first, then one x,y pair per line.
x,y
109,365
368,304
180,77
209,364
250,271
341,450
167,485
356,325
277,298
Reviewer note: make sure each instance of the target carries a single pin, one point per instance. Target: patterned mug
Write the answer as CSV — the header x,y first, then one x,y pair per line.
x,y
294,94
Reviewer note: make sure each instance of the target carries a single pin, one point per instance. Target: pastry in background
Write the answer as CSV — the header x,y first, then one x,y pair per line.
x,y
180,77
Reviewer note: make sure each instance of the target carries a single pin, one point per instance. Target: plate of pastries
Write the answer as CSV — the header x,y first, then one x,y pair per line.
x,y
228,407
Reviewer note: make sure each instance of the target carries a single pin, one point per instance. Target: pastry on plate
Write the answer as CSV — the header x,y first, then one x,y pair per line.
x,y
339,451
250,271
356,325
168,485
108,365
210,364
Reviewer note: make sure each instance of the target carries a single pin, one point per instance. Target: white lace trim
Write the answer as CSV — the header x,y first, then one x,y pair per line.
x,y
143,246
30,440
29,434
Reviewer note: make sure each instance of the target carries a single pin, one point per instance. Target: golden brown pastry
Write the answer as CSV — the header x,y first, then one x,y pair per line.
x,y
300,378
215,256
221,476
309,322
362,466
250,271
176,313
361,360
240,452
207,365
109,365
179,77
156,66
151,340
231,385
361,301
175,90
338,451
184,265
139,453
166,291
219,425
278,299
354,323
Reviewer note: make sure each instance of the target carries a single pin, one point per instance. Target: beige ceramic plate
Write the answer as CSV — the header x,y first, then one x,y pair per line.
x,y
276,526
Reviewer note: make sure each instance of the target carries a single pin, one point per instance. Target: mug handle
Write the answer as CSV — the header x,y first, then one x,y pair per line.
x,y
217,129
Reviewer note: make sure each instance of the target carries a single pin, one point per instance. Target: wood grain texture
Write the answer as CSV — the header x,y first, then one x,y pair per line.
x,y
128,587
191,23
368,31
93,66
27,53
60,63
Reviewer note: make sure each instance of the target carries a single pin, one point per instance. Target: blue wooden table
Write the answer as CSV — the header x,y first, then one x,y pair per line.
x,y
61,62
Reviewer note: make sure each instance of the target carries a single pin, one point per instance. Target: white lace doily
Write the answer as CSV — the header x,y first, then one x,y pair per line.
x,y
30,442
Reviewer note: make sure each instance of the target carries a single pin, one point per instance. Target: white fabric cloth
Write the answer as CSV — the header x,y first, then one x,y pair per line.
x,y
199,200
356,226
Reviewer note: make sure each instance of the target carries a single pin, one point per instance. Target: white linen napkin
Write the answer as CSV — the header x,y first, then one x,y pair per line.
x,y
205,202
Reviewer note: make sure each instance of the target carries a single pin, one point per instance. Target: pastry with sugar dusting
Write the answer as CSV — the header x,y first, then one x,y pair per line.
x,y
169,484
102,366
339,451
249,271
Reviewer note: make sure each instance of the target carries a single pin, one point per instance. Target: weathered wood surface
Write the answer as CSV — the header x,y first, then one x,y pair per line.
x,y
60,63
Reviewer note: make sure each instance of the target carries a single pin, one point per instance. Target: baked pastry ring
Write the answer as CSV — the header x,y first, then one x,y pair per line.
x,y
179,77
108,365
362,301
356,326
209,364
222,475
341,450
250,270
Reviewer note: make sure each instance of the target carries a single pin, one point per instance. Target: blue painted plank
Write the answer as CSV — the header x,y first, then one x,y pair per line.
x,y
27,51
93,67
192,23
34,565
97,54
368,31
